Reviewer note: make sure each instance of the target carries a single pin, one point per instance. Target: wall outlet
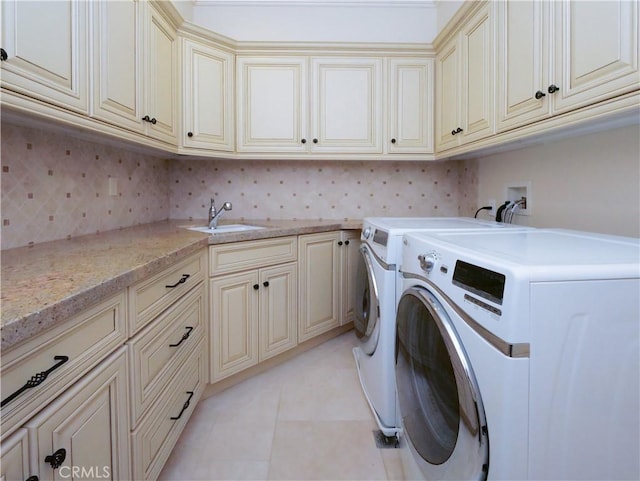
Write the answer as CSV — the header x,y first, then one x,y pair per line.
x,y
113,186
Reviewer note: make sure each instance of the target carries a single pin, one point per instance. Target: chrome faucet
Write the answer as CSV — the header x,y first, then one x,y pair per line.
x,y
213,215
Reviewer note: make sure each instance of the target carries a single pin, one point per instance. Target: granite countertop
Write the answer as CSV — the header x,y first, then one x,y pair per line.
x,y
50,282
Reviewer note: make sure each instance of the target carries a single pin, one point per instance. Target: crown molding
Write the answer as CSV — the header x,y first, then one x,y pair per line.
x,y
318,3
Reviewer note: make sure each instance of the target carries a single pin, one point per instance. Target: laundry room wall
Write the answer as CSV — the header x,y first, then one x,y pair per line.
x,y
591,182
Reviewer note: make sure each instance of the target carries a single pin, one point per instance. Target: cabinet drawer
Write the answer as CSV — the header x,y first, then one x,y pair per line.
x,y
150,297
83,341
160,349
154,438
240,256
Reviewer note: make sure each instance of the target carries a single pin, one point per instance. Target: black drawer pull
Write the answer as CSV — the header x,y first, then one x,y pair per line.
x,y
346,242
265,283
185,406
146,118
3,54
56,459
539,94
185,336
181,281
36,379
32,478
553,89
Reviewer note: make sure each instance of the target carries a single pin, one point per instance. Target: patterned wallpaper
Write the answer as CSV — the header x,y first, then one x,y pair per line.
x,y
56,187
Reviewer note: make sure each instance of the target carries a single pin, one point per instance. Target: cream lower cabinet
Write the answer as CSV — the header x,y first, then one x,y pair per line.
x,y
253,311
324,287
84,433
168,353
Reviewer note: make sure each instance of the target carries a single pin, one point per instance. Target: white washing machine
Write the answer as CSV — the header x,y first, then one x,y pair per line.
x,y
376,301
518,355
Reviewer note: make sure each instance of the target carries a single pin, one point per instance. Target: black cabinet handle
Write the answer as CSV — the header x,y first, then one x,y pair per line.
x,y
458,130
185,406
453,132
36,379
181,281
153,120
189,134
265,283
553,89
346,242
185,336
393,141
256,286
540,94
315,141
32,478
304,141
56,459
3,54
339,243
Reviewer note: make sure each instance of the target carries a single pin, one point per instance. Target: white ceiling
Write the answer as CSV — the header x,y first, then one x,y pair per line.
x,y
384,21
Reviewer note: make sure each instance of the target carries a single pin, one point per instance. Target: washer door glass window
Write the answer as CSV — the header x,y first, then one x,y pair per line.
x,y
366,303
439,400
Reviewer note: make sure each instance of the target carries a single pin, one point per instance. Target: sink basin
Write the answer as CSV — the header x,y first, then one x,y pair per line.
x,y
226,228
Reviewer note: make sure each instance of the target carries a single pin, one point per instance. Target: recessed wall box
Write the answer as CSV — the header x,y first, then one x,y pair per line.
x,y
520,191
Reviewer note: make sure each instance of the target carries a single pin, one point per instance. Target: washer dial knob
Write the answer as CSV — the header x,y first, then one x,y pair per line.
x,y
366,232
428,261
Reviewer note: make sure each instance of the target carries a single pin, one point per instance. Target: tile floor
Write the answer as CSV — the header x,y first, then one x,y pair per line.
x,y
305,419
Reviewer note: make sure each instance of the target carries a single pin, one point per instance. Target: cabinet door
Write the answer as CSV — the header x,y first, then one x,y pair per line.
x,y
161,78
319,286
596,51
14,457
46,44
117,68
411,92
522,63
234,311
346,102
349,270
207,97
477,87
272,104
447,96
90,423
278,309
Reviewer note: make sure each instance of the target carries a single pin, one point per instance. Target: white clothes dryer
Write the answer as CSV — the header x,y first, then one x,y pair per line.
x,y
518,355
376,300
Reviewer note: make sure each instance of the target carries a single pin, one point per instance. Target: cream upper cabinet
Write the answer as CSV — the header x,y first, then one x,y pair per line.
x,y
465,88
117,95
305,105
595,51
272,104
346,105
46,44
523,62
560,56
160,111
410,94
207,89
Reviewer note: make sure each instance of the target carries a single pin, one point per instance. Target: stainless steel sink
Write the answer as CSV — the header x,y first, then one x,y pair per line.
x,y
225,229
